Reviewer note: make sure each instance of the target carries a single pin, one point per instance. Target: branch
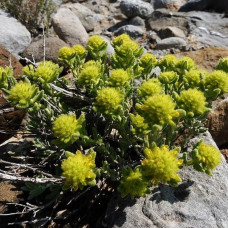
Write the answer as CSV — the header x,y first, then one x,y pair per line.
x,y
31,179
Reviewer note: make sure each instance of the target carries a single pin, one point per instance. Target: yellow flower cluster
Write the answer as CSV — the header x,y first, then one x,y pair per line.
x,y
139,123
150,88
217,80
159,109
24,95
185,63
161,165
108,100
90,74
193,101
66,128
205,157
168,77
147,59
168,63
79,170
133,183
119,78
192,78
223,64
117,41
66,53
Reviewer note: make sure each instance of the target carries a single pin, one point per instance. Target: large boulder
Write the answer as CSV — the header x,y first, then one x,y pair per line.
x,y
69,28
169,4
201,5
171,42
132,8
218,123
52,46
13,36
88,18
200,201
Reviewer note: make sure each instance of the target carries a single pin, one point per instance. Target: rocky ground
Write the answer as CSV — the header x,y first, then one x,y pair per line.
x,y
195,28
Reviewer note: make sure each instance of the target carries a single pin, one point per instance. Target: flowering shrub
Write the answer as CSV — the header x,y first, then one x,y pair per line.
x,y
116,108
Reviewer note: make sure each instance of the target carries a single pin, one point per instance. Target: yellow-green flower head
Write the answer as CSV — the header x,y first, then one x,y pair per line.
x,y
108,100
147,59
117,41
28,70
47,72
159,109
133,184
97,46
80,50
168,77
3,78
168,63
193,101
79,170
66,128
193,78
23,94
150,88
185,63
129,46
66,53
119,78
223,65
161,165
139,123
206,157
217,80
90,74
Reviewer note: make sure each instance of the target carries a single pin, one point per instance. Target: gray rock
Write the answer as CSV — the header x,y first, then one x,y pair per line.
x,y
201,5
137,21
171,31
171,42
88,18
13,36
131,30
163,18
53,44
132,8
200,201
69,28
169,4
110,49
57,3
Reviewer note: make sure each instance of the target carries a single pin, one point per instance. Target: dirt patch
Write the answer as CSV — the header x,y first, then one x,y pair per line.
x,y
8,194
206,58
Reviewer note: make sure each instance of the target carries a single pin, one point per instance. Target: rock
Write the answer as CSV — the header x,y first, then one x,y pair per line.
x,y
200,201
88,18
131,30
5,56
169,4
137,21
14,36
217,123
52,45
110,49
57,3
171,42
171,31
69,28
132,8
163,18
201,5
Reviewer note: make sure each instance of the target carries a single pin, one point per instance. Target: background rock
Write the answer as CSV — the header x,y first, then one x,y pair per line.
x,y
69,28
169,4
200,201
171,32
14,36
217,122
132,30
171,42
53,44
5,57
132,8
88,18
